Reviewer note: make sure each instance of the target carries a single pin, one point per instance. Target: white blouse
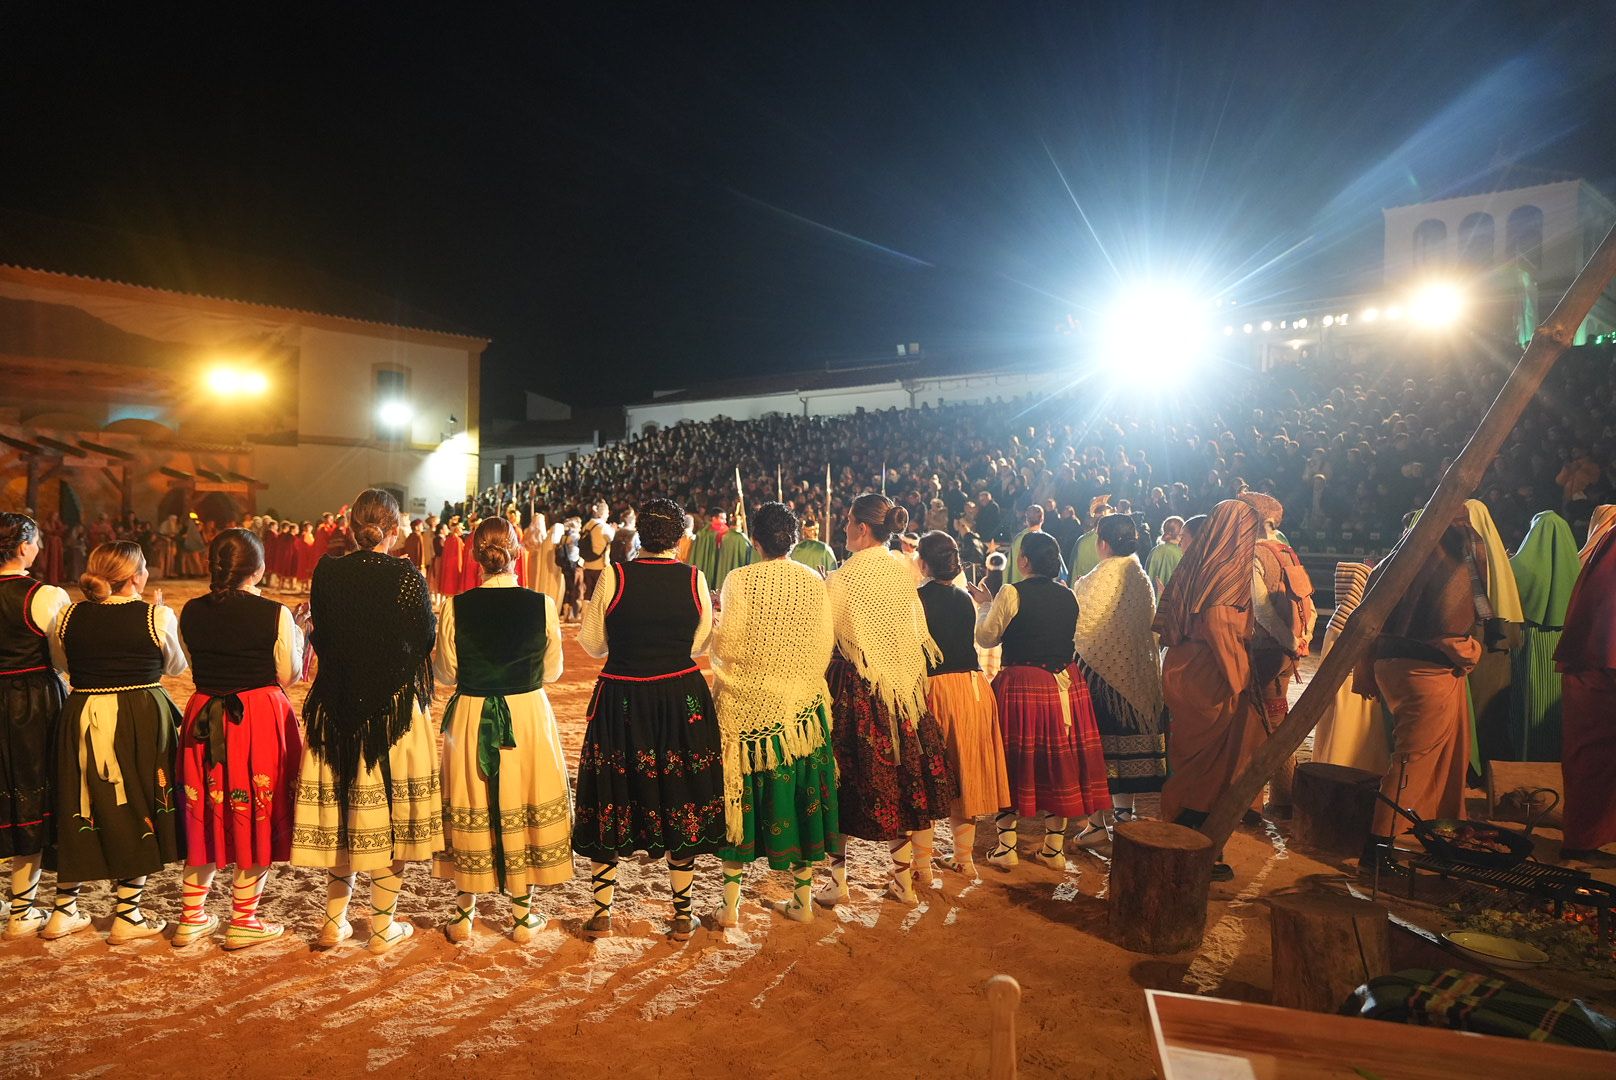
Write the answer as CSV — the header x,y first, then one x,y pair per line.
x,y
445,661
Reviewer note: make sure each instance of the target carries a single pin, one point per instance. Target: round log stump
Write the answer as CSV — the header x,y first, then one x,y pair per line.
x,y
1160,874
1333,807
1281,790
1324,947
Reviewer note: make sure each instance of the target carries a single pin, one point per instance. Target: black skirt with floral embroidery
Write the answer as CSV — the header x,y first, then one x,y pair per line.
x,y
650,775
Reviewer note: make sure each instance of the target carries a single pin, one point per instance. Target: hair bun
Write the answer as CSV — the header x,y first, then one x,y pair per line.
x,y
368,536
95,587
897,518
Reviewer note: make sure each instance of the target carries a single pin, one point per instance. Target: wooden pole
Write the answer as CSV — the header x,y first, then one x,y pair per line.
x,y
1394,577
1004,996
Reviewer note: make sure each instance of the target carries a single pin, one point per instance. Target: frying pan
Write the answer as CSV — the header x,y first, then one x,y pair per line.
x,y
1429,834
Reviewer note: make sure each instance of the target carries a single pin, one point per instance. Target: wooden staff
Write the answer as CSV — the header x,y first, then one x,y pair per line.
x,y
779,485
883,476
1393,578
1004,996
740,502
826,537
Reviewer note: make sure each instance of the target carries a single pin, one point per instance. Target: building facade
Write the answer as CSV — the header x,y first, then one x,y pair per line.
x,y
121,398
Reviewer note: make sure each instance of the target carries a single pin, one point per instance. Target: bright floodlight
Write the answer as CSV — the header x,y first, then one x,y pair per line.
x,y
1267,325
1370,314
1436,305
395,414
227,381
255,382
1164,327
224,380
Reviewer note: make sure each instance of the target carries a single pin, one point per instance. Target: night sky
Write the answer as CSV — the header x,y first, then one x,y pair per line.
x,y
689,191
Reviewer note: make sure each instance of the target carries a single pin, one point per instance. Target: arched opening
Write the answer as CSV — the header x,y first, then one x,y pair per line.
x,y
1430,243
1476,240
68,505
1523,236
174,503
219,508
649,428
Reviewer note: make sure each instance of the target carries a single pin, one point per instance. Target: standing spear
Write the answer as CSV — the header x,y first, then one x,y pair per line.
x,y
883,476
740,502
827,505
779,487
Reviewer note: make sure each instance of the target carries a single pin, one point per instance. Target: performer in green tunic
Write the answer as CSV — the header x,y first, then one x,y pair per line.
x,y
1164,557
1035,523
704,548
734,551
813,552
771,647
1546,567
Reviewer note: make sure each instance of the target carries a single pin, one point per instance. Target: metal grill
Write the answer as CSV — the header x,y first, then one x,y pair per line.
x,y
1558,884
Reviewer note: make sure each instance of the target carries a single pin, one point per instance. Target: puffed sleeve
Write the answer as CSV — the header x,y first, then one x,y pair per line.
x,y
57,652
168,636
552,641
288,649
592,633
704,624
990,631
47,607
445,662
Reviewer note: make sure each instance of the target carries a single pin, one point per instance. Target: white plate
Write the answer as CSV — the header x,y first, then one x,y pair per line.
x,y
1499,951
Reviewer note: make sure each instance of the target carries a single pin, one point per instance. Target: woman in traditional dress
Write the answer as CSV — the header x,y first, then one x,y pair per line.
x,y
1587,660
240,747
115,800
31,697
1545,568
890,752
368,799
1051,740
538,551
650,773
1205,621
770,649
1354,732
1116,652
1490,680
504,777
471,575
960,697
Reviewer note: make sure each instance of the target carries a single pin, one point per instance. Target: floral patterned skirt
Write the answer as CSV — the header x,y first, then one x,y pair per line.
x,y
789,812
650,774
124,829
885,792
240,782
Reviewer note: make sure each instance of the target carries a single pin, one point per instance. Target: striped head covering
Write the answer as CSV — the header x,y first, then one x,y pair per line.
x,y
1603,521
1216,570
1351,578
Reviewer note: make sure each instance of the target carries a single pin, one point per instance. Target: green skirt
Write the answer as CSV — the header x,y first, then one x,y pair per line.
x,y
789,812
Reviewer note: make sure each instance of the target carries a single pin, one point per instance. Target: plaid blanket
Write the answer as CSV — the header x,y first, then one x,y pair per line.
x,y
1464,1001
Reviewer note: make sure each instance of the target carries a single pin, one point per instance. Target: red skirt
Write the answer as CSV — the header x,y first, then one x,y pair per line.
x,y
238,805
1053,766
884,792
1588,750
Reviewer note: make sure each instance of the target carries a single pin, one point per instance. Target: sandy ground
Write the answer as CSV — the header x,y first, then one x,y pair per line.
x,y
873,986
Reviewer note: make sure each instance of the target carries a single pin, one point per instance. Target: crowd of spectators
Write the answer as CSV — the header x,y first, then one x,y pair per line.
x,y
1348,451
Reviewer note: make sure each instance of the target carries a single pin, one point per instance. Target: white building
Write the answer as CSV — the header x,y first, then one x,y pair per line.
x,y
271,407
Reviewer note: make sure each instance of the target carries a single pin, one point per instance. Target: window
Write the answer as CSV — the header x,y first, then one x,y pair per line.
x,y
1430,243
1476,241
1523,236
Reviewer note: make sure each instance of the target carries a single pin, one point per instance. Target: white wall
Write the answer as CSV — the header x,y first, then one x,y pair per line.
x,y
528,459
336,391
310,479
1562,239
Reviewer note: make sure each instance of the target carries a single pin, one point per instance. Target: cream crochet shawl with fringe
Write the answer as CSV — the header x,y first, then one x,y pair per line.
x,y
771,645
1115,607
881,631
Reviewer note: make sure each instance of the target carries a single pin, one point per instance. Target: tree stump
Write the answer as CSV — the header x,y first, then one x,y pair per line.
x,y
1160,874
1281,798
1334,806
1325,946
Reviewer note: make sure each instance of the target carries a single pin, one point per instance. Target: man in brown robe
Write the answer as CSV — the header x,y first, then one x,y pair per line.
x,y
1417,666
1205,620
1587,656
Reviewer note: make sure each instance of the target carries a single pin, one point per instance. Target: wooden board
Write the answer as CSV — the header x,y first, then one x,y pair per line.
x,y
1211,1039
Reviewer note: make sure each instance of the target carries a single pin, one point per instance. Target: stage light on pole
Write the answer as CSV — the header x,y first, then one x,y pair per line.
x,y
1301,324
1437,305
1247,328
1329,320
226,380
1164,325
395,414
1267,325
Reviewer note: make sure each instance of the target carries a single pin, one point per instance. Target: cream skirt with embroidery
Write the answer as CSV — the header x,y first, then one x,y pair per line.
x,y
380,831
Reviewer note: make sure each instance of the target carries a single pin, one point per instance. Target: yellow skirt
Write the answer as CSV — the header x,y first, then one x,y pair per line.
x,y
965,708
534,830
408,827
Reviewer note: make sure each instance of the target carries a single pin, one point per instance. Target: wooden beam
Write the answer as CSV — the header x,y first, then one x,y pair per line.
x,y
1393,578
